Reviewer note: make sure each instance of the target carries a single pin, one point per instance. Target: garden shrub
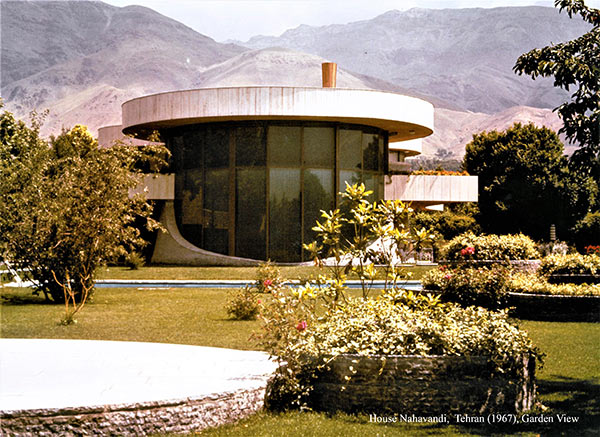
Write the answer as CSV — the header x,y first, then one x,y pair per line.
x,y
446,224
388,325
268,277
307,327
243,304
586,231
572,264
482,286
134,260
468,247
534,284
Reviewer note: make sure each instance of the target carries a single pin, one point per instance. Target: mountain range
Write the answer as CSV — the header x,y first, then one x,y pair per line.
x,y
82,59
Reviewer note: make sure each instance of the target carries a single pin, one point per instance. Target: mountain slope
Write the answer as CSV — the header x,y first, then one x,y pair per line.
x,y
54,50
460,55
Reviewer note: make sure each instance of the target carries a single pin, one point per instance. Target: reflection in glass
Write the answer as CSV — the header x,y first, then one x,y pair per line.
x,y
285,237
216,210
371,152
284,145
251,218
350,149
349,177
249,146
190,203
319,146
318,195
371,182
216,147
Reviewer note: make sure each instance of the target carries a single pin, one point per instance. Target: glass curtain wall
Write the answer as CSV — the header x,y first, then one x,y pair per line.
x,y
255,190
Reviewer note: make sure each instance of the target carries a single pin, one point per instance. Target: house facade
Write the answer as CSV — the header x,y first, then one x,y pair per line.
x,y
254,166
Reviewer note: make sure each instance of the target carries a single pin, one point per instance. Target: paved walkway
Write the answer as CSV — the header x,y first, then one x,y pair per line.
x,y
41,374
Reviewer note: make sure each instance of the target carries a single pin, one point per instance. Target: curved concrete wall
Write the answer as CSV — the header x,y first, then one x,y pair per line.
x,y
431,190
403,117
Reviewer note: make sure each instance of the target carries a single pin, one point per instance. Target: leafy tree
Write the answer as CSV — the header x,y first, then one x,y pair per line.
x,y
575,64
525,184
66,206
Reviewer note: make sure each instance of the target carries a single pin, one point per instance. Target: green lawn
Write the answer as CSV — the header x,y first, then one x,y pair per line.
x,y
569,381
177,272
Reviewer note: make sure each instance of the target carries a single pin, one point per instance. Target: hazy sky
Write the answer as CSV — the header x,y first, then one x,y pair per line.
x,y
242,19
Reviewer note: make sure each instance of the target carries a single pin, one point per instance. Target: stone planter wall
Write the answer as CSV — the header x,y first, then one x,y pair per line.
x,y
574,279
555,308
525,265
180,416
424,386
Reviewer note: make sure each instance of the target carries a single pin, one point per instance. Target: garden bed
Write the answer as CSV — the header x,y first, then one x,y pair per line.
x,y
421,385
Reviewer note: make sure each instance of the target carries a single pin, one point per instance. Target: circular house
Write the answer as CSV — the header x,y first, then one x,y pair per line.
x,y
254,166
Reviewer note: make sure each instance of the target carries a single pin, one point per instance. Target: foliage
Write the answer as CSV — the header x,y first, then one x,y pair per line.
x,y
482,286
66,206
534,284
345,240
134,260
268,277
572,264
381,327
243,304
447,224
586,231
307,327
469,246
574,64
525,182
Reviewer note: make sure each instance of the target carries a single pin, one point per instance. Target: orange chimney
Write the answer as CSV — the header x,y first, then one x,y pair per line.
x,y
329,74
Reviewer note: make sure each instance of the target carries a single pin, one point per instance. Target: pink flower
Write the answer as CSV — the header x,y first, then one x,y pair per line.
x,y
448,276
467,251
259,301
301,326
267,283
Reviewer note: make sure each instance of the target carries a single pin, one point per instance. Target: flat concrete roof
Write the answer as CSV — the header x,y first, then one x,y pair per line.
x,y
43,374
403,117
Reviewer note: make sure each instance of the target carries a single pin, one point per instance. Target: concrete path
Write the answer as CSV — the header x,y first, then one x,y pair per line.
x,y
41,374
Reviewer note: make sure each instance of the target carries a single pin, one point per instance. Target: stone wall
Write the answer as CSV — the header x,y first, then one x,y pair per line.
x,y
424,386
555,307
181,416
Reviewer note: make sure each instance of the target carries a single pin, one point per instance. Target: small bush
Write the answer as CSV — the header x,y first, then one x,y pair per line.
x,y
134,260
573,264
482,286
268,277
243,304
469,246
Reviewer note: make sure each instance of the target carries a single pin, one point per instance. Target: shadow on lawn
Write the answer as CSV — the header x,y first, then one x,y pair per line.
x,y
575,398
20,298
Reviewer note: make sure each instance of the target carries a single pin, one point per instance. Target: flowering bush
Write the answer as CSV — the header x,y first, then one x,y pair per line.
x,y
592,250
481,286
534,284
489,247
243,304
573,264
268,277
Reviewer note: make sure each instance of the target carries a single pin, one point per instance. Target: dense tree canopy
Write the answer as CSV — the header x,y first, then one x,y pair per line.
x,y
525,184
574,64
66,205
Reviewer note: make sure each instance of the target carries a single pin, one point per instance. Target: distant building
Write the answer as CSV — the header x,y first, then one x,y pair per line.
x,y
253,166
